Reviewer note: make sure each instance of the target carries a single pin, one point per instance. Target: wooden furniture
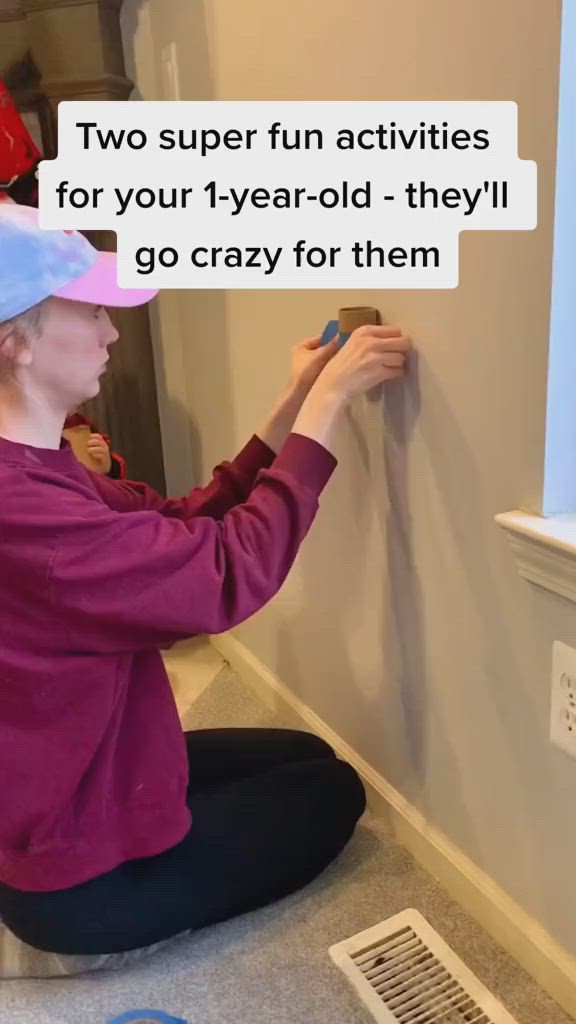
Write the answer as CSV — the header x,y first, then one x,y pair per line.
x,y
53,50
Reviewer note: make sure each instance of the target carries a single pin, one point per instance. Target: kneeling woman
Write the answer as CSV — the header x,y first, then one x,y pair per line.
x,y
117,830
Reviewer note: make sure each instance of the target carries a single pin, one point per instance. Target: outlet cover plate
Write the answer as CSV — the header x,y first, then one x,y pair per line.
x,y
563,704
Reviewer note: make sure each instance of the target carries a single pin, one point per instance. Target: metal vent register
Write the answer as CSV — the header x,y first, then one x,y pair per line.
x,y
406,974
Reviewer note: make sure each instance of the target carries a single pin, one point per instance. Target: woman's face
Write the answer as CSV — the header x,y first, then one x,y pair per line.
x,y
70,354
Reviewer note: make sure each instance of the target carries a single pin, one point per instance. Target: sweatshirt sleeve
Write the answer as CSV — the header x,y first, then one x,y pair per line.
x,y
231,484
141,580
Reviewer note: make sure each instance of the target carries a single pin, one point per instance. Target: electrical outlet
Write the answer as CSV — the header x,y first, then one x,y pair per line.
x,y
563,708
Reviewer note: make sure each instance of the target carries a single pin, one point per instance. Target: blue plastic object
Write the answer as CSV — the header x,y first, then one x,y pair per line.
x,y
330,330
146,1017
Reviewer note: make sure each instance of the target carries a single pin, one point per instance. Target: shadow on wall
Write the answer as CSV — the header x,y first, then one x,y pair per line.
x,y
404,630
337,571
191,336
398,688
498,665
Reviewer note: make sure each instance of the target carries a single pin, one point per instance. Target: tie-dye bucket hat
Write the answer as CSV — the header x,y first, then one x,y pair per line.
x,y
36,263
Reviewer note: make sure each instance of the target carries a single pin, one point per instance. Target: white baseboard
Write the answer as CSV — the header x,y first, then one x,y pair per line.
x,y
511,926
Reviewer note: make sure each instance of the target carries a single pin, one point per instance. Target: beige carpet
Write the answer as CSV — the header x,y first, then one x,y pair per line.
x,y
272,967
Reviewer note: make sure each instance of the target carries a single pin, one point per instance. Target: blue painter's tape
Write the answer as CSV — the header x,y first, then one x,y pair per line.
x,y
146,1017
329,331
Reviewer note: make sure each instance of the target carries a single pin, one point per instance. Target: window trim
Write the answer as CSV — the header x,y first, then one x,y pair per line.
x,y
544,549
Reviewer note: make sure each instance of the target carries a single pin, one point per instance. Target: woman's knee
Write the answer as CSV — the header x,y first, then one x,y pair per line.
x,y
351,790
337,793
345,783
306,746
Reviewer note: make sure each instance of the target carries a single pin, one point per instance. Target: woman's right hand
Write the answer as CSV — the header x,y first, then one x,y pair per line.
x,y
372,355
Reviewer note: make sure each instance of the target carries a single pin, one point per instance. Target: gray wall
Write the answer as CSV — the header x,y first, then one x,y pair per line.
x,y
404,624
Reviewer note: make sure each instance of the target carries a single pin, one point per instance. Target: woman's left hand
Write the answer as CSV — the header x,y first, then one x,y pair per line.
x,y
308,360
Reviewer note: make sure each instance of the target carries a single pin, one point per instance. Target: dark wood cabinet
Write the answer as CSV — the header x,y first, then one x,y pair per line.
x,y
43,60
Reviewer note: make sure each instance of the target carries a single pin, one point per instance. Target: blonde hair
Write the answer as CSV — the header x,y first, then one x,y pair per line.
x,y
26,328
28,323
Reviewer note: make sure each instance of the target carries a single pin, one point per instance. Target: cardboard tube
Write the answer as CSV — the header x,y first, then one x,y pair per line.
x,y
351,317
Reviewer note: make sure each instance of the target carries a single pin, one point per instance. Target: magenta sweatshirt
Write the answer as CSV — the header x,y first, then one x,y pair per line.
x,y
95,576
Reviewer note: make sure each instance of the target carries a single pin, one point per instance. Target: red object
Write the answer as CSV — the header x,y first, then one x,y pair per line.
x,y
118,470
19,155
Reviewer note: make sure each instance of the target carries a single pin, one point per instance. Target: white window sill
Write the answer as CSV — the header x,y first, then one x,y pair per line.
x,y
545,549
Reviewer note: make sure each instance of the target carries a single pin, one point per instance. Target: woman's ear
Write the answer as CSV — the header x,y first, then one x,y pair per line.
x,y
15,346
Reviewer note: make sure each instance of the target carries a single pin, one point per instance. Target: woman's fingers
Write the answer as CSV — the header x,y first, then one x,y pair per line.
x,y
311,343
380,330
401,343
393,359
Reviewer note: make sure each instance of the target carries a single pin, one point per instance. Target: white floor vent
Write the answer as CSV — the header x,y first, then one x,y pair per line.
x,y
406,974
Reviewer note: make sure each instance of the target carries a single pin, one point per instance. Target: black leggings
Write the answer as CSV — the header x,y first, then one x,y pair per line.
x,y
271,809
